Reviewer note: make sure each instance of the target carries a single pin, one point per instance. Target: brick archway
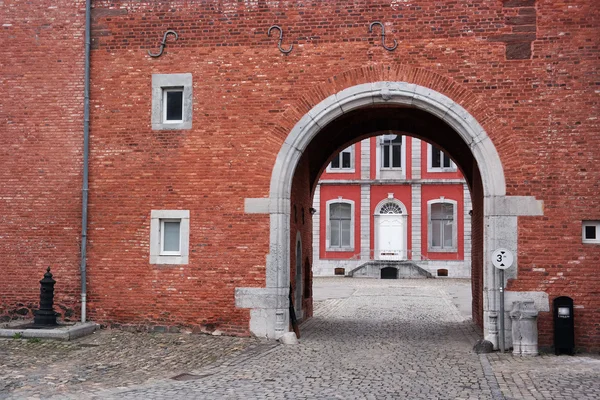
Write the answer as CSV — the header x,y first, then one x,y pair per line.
x,y
269,305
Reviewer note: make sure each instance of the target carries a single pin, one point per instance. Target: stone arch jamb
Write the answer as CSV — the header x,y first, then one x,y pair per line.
x,y
269,305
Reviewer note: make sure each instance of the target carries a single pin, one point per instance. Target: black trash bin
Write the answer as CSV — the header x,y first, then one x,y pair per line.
x,y
564,326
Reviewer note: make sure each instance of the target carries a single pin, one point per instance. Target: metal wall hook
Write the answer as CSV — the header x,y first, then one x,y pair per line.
x,y
163,43
383,36
280,39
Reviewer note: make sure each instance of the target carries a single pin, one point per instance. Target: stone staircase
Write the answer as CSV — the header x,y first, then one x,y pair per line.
x,y
405,269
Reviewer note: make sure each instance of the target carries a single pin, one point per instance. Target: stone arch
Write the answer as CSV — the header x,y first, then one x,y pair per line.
x,y
269,305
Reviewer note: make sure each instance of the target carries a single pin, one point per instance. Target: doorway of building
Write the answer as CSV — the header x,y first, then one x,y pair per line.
x,y
390,238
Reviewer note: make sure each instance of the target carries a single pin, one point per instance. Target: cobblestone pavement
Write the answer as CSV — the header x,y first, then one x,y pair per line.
x,y
369,339
31,368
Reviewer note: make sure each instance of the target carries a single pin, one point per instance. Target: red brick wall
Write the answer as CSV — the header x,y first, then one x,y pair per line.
x,y
527,71
41,137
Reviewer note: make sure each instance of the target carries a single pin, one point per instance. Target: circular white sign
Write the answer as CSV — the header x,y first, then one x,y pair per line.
x,y
502,258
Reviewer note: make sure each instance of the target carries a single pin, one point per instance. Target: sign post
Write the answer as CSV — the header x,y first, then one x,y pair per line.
x,y
502,259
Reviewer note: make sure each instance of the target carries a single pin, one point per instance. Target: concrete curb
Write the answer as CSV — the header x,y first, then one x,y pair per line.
x,y
63,333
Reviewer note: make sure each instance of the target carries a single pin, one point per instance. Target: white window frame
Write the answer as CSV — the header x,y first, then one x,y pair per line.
x,y
341,169
157,254
595,224
391,172
454,247
161,84
162,250
328,246
402,150
164,102
431,168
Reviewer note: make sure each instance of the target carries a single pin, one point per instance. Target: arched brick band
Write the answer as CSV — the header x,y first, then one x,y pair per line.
x,y
269,305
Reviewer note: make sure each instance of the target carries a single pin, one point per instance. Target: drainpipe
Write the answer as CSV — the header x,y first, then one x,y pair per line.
x,y
86,148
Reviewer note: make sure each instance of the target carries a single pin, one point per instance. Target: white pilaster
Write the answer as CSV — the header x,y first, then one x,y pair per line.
x,y
365,159
365,221
416,158
316,221
416,221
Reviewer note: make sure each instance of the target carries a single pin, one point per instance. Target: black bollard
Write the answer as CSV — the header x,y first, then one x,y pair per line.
x,y
46,315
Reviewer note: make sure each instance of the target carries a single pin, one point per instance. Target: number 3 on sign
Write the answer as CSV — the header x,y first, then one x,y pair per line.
x,y
502,258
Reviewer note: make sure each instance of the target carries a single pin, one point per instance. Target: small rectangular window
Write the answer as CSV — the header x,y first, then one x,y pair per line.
x,y
173,105
391,151
172,100
170,237
340,226
442,235
346,159
439,161
591,232
342,162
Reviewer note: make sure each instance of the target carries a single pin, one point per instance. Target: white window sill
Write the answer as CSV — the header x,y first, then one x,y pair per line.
x,y
441,169
444,250
172,260
340,171
340,249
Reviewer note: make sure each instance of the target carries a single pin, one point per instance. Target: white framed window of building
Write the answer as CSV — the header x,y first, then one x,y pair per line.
x,y
343,161
390,156
172,105
590,232
438,161
340,225
171,101
169,236
442,224
391,151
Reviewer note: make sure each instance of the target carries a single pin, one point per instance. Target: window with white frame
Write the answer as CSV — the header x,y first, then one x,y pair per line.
x,y
172,105
591,232
438,161
391,151
343,161
171,101
442,225
340,222
169,236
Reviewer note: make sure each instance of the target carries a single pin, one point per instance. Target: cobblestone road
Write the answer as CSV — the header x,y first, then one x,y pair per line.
x,y
369,339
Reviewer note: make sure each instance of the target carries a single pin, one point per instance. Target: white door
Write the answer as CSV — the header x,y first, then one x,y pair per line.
x,y
391,237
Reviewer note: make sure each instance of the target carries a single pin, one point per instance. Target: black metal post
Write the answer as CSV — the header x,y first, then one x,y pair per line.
x,y
46,315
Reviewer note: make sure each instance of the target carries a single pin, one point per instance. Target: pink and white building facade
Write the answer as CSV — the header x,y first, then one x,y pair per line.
x,y
391,198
